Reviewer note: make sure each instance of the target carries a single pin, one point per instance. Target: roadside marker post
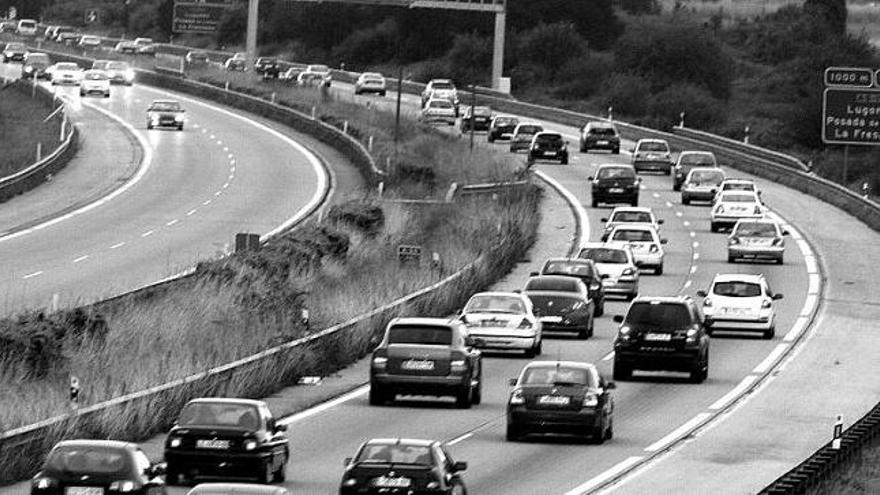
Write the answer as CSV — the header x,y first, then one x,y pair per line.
x,y
838,431
74,392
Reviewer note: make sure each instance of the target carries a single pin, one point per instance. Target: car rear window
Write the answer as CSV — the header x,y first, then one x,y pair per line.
x,y
440,104
117,65
711,176
738,198
442,85
632,235
495,304
15,46
529,129
95,76
737,289
548,375
67,66
602,131
604,255
616,173
568,268
38,57
425,335
755,229
738,186
697,159
631,216
382,453
505,121
653,147
553,284
88,459
244,416
165,106
549,139
672,315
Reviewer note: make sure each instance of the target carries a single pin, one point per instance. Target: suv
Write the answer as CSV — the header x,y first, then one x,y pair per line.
x,y
688,160
615,183
600,135
426,356
226,437
662,333
652,154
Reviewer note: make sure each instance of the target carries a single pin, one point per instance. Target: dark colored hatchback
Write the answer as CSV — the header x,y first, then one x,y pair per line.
x,y
35,65
402,466
267,67
562,304
14,52
662,333
219,437
615,183
549,146
501,127
583,269
97,467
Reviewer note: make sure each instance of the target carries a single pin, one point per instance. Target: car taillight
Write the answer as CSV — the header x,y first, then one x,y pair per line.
x,y
175,442
733,241
719,209
624,333
779,241
757,210
516,398
250,445
123,486
458,365
591,400
691,335
654,248
379,362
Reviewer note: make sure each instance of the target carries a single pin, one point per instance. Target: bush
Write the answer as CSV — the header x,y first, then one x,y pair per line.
x,y
367,217
548,46
584,76
378,43
627,93
470,59
702,111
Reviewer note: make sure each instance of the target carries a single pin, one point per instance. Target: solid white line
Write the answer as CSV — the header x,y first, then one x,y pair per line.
x,y
218,193
324,406
580,212
770,359
147,233
459,439
814,284
734,392
206,202
794,234
117,245
812,266
803,246
694,269
191,212
31,275
618,468
686,284
172,222
81,258
809,304
677,433
797,328
609,356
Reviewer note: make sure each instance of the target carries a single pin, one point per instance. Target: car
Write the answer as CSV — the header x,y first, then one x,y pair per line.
x,y
309,79
476,118
442,89
100,64
95,82
35,65
583,269
736,184
144,46
756,238
662,333
125,47
236,489
267,67
165,113
739,301
645,243
503,320
7,27
402,466
120,72
426,356
630,215
501,127
237,62
616,265
197,58
46,32
98,466
548,146
14,52
652,154
89,41
562,304
615,183
688,160
26,27
599,135
370,82
521,139
701,184
226,437
65,73
560,397
319,72
55,33
438,110
291,74
68,38
733,206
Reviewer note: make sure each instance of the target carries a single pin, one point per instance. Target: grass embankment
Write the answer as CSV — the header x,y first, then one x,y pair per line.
x,y
860,476
22,127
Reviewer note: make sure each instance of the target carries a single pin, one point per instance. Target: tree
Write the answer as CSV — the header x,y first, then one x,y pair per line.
x,y
829,13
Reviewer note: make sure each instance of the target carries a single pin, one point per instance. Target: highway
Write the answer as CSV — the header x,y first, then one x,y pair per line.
x,y
192,192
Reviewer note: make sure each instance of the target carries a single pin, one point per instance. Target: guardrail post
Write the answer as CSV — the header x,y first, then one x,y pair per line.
x,y
866,189
610,115
313,112
381,189
746,137
39,151
370,144
838,431
681,123
272,98
226,87
345,127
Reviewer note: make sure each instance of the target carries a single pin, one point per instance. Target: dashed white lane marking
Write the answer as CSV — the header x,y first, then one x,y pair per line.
x,y
204,130
686,223
206,202
81,258
609,356
799,325
693,234
218,193
656,195
32,275
212,136
460,439
618,468
226,149
696,256
687,284
770,359
117,245
147,233
679,214
734,392
693,269
229,156
225,185
668,204
678,432
695,244
172,222
219,142
192,212
325,406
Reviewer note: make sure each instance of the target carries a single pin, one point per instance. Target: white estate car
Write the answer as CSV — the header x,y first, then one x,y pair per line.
x,y
65,73
89,41
443,89
95,82
759,238
616,265
503,320
739,301
645,242
439,110
736,184
630,215
370,82
318,71
733,206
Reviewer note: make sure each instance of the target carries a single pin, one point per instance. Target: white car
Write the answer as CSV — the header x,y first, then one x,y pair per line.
x,y
616,265
734,184
26,27
125,47
317,72
701,184
95,82
761,238
503,320
652,154
144,46
645,242
523,134
439,110
739,301
370,82
440,89
120,72
89,41
630,215
733,206
65,73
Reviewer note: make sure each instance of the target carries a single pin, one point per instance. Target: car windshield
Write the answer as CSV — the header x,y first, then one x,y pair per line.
x,y
631,216
737,289
117,66
549,375
755,229
652,146
67,66
88,460
549,138
495,304
697,159
604,255
738,186
505,121
165,106
553,284
668,315
220,414
319,68
707,177
738,198
616,173
27,24
440,104
442,85
603,131
568,268
15,46
632,235
383,453
529,129
416,334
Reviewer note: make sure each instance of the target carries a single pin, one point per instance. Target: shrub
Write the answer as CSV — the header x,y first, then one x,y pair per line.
x,y
378,43
548,46
701,110
470,59
366,216
627,93
584,76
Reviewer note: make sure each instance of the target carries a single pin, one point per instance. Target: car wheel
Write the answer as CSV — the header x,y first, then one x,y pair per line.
x,y
658,270
699,371
477,394
621,372
463,397
539,349
714,227
107,95
529,353
770,332
635,201
668,172
609,432
597,434
149,126
676,187
631,296
513,434
180,127
731,258
583,148
616,151
600,309
81,94
489,138
172,477
564,160
377,395
382,93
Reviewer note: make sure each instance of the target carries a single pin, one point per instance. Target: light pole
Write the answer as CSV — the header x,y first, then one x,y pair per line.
x,y
251,42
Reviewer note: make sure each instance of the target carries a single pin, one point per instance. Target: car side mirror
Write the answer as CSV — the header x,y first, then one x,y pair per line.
x,y
660,221
157,470
511,382
590,178
618,318
777,297
610,386
534,274
469,341
603,220
639,264
785,232
346,461
713,191
664,241
517,291
280,427
459,466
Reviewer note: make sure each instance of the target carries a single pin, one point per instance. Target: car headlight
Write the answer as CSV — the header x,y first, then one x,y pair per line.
x,y
380,362
122,486
590,400
350,482
44,482
178,118
458,365
175,442
250,445
516,398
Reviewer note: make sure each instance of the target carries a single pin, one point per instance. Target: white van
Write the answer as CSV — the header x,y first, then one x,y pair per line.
x,y
26,27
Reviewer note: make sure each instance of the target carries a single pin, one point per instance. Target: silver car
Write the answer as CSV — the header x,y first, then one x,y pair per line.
x,y
503,320
756,238
645,242
616,266
523,134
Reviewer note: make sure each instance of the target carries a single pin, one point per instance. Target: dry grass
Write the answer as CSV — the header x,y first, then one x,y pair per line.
x,y
860,476
22,127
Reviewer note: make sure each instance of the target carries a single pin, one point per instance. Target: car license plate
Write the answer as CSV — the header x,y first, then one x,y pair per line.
x,y
615,190
734,311
389,482
493,323
549,153
84,490
658,337
551,319
601,142
212,444
418,365
554,400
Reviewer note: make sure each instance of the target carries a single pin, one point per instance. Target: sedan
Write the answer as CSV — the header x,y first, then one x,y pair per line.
x,y
617,267
615,183
652,154
165,113
701,184
438,110
755,239
89,41
370,82
95,82
734,206
65,73
562,304
502,320
86,467
687,160
501,127
402,466
522,136
738,301
561,397
583,269
14,52
120,72
645,242
476,118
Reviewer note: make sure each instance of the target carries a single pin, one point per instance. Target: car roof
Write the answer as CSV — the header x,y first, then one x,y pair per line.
x,y
614,165
637,209
652,140
523,124
738,192
738,277
236,488
499,294
561,259
441,81
695,152
634,226
599,123
116,444
567,364
228,400
401,441
423,320
548,133
166,101
664,299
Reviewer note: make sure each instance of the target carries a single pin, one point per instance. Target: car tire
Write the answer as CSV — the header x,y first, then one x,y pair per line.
x,y
463,397
149,126
539,349
668,171
172,476
378,396
609,432
635,202
180,127
616,151
770,332
583,148
266,475
107,95
713,227
81,94
564,160
621,372
530,352
382,93
513,433
658,270
631,296
600,309
489,138
477,393
676,187
597,435
700,371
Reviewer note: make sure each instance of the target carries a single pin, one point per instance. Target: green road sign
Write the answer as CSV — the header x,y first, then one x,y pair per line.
x,y
851,116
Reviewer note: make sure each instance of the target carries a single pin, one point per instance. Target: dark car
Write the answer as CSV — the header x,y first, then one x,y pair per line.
x,y
35,65
14,52
221,437
600,135
548,146
561,397
165,113
662,333
426,356
615,183
562,303
402,466
267,67
108,467
481,117
688,160
197,58
583,269
501,127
